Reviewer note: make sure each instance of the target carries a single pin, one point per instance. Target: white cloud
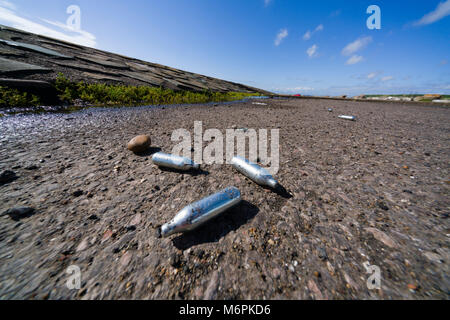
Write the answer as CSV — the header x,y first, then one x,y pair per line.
x,y
442,10
11,18
312,52
371,75
280,36
387,78
356,45
307,35
7,5
354,59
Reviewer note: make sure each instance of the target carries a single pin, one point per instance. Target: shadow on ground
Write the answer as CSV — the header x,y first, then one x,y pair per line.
x,y
192,172
149,152
282,192
219,227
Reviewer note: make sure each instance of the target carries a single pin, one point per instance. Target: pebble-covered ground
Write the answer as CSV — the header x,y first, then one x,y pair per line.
x,y
373,190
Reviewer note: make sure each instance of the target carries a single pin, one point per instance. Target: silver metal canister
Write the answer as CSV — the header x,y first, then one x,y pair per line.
x,y
197,213
353,118
175,162
253,171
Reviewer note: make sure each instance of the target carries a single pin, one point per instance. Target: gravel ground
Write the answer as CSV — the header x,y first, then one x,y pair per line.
x,y
373,190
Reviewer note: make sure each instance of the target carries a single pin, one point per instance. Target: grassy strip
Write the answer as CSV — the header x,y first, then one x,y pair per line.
x,y
69,93
103,94
13,98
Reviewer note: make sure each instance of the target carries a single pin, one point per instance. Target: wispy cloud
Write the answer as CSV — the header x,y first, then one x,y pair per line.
x,y
387,78
310,33
9,17
307,35
442,10
372,75
354,59
267,2
356,45
335,13
7,5
312,51
283,33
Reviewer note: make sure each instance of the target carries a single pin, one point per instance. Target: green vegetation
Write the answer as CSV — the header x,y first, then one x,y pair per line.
x,y
68,92
13,98
103,94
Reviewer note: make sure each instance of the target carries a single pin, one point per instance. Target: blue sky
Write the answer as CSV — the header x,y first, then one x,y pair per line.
x,y
306,47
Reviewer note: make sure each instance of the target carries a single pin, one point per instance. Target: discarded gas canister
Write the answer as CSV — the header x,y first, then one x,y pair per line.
x,y
199,212
353,118
253,171
175,162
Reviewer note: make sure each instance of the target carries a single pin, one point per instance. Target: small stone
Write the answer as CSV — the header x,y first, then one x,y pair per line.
x,y
322,253
433,257
125,259
271,242
174,260
7,176
19,213
32,167
77,193
136,220
412,287
276,273
139,144
317,274
382,205
212,287
83,245
383,237
108,234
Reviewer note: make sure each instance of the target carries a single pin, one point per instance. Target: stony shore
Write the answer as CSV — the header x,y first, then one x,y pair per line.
x,y
373,190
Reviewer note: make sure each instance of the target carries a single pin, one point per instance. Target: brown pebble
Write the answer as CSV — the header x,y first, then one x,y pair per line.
x,y
139,143
412,287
